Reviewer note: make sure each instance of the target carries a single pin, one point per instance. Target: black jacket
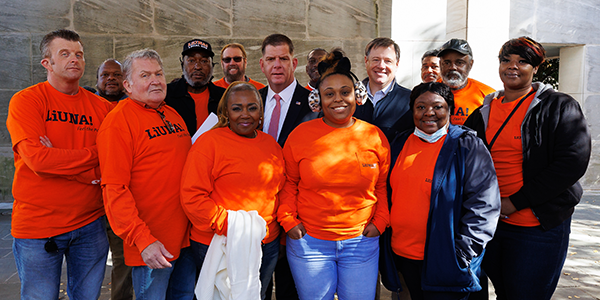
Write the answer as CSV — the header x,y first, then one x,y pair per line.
x,y
179,98
556,152
392,114
298,112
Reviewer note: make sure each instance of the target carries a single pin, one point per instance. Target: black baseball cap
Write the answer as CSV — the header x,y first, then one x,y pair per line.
x,y
197,45
458,45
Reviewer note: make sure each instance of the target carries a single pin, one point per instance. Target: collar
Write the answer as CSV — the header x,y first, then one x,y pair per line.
x,y
287,93
385,90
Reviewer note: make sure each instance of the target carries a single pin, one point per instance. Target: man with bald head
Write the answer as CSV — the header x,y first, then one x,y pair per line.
x,y
110,81
312,61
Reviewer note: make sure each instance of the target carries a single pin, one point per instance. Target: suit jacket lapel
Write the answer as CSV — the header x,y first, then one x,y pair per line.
x,y
292,114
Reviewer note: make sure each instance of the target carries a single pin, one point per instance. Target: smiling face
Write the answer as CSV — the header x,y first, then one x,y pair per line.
x,y
337,100
110,79
455,68
232,69
430,112
381,65
147,82
197,68
243,111
430,69
278,65
515,72
66,62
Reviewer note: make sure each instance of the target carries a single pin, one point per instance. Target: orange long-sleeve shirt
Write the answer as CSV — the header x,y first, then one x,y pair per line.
x,y
336,180
467,99
225,171
52,187
221,82
141,165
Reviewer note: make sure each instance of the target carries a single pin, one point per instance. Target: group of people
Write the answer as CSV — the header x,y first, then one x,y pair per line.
x,y
322,187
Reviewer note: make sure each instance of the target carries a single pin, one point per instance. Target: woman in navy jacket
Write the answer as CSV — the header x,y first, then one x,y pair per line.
x,y
445,200
539,155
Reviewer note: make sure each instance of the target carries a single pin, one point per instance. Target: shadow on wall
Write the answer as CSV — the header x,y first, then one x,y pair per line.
x,y
7,171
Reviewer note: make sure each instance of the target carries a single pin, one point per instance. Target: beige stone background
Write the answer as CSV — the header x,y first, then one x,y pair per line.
x,y
112,29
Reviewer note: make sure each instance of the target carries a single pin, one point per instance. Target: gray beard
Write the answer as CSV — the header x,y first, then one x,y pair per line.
x,y
456,82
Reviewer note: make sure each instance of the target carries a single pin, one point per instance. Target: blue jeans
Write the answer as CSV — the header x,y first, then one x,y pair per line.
x,y
270,252
151,284
85,250
321,268
184,277
525,262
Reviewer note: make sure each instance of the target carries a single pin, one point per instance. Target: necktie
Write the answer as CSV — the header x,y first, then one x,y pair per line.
x,y
274,125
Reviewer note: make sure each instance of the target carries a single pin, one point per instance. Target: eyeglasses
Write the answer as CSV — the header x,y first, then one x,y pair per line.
x,y
228,59
168,124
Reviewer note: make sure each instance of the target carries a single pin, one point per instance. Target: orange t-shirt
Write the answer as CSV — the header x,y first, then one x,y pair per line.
x,y
336,180
467,99
221,82
52,187
141,163
201,104
411,180
225,171
507,154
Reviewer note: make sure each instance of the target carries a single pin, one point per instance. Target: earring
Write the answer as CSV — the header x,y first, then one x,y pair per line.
x,y
360,92
260,121
314,101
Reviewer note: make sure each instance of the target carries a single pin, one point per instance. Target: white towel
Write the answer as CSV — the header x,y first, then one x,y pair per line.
x,y
232,264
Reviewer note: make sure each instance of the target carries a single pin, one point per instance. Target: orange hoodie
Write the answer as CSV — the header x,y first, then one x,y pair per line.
x,y
53,187
336,180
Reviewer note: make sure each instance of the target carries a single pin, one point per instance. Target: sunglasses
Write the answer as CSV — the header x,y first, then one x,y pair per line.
x,y
228,59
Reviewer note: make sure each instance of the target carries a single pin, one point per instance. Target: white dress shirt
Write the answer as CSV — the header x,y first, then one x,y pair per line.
x,y
286,100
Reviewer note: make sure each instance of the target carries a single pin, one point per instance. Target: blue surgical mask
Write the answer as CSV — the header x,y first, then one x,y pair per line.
x,y
434,137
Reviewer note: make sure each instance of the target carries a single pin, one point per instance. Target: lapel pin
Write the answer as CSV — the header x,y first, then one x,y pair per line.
x,y
298,103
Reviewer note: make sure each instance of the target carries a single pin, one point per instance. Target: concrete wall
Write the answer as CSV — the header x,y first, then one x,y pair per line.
x,y
573,26
568,29
111,28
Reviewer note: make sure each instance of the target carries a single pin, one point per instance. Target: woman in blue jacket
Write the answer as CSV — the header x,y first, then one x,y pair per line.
x,y
445,200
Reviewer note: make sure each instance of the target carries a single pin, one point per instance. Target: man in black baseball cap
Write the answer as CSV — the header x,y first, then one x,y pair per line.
x,y
194,96
456,61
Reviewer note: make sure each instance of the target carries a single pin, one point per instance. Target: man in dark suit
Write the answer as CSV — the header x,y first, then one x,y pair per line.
x,y
388,104
278,64
286,106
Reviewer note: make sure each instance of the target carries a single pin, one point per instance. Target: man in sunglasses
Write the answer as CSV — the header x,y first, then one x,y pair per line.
x,y
234,62
194,96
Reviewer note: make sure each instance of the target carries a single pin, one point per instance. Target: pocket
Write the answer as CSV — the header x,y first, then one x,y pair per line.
x,y
368,163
